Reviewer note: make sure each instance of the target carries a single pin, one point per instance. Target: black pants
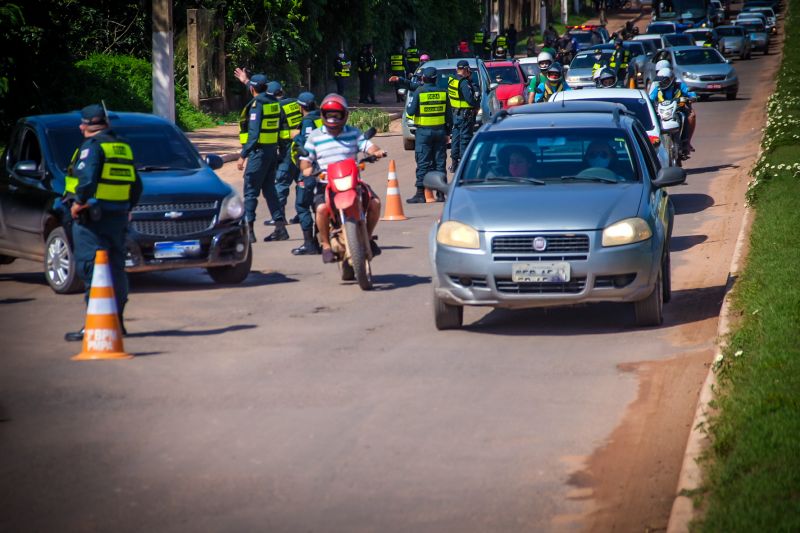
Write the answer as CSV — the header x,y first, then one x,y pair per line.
x,y
363,87
430,152
340,85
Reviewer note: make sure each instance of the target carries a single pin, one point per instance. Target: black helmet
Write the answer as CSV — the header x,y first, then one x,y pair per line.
x,y
618,42
555,72
606,78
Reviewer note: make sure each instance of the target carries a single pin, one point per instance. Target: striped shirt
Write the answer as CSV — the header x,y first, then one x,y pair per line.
x,y
324,149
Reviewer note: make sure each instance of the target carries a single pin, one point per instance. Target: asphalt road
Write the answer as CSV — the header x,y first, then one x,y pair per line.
x,y
296,402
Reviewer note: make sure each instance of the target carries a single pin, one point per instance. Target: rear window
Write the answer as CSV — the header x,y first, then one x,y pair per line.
x,y
700,56
504,75
637,106
582,37
530,69
730,32
661,28
679,40
752,26
551,156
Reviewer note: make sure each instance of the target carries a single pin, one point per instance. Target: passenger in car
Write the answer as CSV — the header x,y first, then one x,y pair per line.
x,y
515,161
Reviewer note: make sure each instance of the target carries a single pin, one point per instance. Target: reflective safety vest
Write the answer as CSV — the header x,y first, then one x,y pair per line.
x,y
116,177
412,57
293,116
432,108
549,90
293,150
478,38
454,95
342,69
270,122
501,41
396,63
677,94
624,58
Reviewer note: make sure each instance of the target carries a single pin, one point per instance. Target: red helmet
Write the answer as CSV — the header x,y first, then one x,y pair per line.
x,y
334,111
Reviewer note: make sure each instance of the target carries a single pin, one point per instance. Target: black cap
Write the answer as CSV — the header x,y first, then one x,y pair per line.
x,y
93,114
462,64
429,73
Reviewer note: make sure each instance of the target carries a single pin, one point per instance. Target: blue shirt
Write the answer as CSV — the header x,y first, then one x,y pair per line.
x,y
540,90
669,94
88,168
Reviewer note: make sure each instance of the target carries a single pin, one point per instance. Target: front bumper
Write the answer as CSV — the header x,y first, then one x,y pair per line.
x,y
480,278
713,87
222,246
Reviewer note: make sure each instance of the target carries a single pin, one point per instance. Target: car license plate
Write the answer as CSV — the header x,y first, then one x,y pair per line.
x,y
714,86
555,272
173,249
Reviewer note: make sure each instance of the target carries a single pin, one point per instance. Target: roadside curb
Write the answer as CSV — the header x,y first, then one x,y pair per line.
x,y
691,475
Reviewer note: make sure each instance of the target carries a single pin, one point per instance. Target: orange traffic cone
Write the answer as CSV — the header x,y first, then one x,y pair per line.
x,y
394,205
102,336
429,197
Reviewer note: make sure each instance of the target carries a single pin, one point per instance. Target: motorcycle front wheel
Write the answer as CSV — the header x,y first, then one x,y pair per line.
x,y
357,244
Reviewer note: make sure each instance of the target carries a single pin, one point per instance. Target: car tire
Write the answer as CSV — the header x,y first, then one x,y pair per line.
x,y
408,144
666,276
704,97
731,96
6,259
447,316
232,274
59,264
650,311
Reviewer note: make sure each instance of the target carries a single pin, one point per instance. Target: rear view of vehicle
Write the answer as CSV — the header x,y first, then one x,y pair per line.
x,y
510,80
582,68
705,71
734,40
759,38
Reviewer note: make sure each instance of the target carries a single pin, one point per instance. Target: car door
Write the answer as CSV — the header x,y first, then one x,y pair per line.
x,y
658,208
25,198
489,102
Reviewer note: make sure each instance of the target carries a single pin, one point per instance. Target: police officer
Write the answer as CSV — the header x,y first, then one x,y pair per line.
x,y
367,66
304,191
511,34
412,58
620,60
260,124
479,43
101,187
432,115
461,95
342,72
500,42
398,67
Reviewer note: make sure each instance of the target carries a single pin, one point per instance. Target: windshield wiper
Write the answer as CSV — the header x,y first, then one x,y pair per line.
x,y
516,180
589,178
150,168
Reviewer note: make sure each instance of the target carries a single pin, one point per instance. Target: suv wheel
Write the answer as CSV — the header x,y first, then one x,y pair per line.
x,y
447,316
650,311
232,274
59,264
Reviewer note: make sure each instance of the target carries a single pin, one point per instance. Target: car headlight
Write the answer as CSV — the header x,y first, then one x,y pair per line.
x,y
515,100
458,235
690,75
572,79
626,231
232,208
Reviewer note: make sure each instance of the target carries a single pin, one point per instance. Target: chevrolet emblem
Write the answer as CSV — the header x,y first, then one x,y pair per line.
x,y
173,215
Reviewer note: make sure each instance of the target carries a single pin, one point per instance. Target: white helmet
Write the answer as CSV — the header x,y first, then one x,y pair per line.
x,y
663,64
544,56
665,77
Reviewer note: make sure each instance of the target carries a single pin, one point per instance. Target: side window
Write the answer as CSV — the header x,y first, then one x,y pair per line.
x,y
12,150
29,149
648,152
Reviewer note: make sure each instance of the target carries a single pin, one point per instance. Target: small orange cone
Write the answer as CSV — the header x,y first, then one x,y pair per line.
x,y
429,197
394,205
102,336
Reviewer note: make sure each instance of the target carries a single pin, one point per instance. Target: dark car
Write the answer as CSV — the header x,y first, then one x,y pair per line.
x,y
186,217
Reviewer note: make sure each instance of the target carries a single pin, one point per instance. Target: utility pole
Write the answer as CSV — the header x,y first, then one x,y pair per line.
x,y
564,13
542,16
163,61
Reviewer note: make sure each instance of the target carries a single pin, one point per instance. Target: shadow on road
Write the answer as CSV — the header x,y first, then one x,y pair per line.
x,y
688,203
712,168
188,333
188,280
388,282
684,242
687,306
33,278
7,301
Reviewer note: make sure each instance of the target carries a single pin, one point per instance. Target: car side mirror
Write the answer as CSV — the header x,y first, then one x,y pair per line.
x,y
28,169
436,181
669,176
493,86
214,161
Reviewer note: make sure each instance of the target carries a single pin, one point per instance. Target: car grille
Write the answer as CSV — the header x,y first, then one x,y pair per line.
x,y
166,208
516,244
574,286
713,77
172,228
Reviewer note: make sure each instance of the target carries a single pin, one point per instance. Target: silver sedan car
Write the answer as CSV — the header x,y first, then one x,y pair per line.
x,y
555,204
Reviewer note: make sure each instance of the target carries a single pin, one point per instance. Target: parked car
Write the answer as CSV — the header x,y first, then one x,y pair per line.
x,y
583,216
759,38
635,101
734,40
704,70
511,82
446,68
186,217
581,69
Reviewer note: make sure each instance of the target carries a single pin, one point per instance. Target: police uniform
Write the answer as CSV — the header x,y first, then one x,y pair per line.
x,y
342,72
464,105
397,67
287,171
367,66
306,186
432,116
412,58
500,41
620,60
479,43
260,124
102,175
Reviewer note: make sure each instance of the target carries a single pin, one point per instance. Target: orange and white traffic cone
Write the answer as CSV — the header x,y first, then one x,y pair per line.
x,y
394,205
102,336
429,197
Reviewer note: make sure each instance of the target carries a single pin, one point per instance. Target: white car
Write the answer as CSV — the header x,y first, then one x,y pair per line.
x,y
637,102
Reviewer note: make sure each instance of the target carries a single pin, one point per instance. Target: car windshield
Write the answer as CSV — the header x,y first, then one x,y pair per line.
x,y
530,69
704,56
655,43
540,157
588,60
661,28
443,76
752,25
730,32
507,75
636,49
676,39
582,37
155,146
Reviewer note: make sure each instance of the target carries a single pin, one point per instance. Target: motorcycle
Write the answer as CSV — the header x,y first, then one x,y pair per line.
x,y
672,124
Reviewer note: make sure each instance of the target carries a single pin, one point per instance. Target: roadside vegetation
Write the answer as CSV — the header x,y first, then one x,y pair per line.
x,y
753,465
364,119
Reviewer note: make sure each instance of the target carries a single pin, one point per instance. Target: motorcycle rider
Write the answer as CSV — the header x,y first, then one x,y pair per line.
x,y
500,53
544,60
555,83
669,88
305,188
606,78
333,142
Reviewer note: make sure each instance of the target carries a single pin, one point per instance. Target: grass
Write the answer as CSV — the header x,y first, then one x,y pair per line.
x,y
753,466
364,119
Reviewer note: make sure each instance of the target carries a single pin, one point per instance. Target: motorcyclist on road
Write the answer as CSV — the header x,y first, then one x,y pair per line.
x,y
555,83
333,142
544,60
669,88
606,78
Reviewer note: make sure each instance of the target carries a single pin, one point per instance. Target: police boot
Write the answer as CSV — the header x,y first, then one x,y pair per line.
x,y
309,246
74,336
295,219
418,198
280,233
270,222
252,233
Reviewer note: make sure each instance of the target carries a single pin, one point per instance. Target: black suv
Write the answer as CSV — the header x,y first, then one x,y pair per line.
x,y
187,216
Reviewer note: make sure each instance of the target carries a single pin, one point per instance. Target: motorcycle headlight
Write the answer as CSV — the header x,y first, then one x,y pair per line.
x,y
515,100
232,208
626,231
458,235
690,75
